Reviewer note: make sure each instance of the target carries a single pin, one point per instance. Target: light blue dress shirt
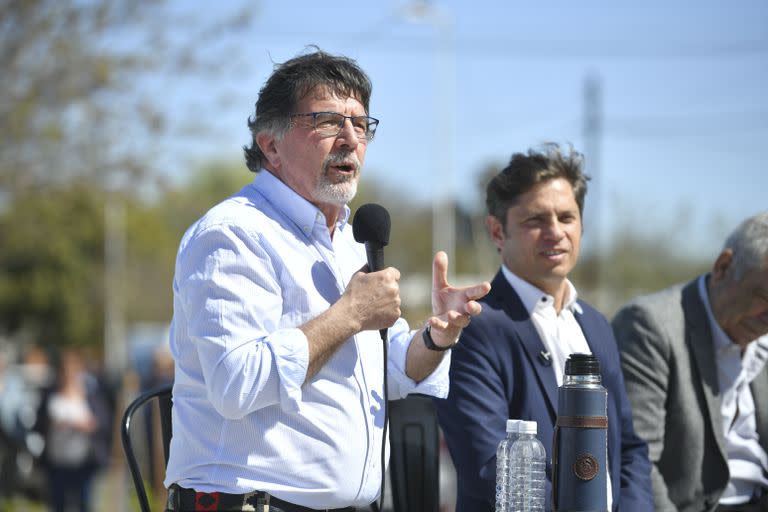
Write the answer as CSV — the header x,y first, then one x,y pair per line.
x,y
248,274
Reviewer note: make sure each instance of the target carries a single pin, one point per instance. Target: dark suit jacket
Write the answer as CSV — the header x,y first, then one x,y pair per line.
x,y
668,359
496,374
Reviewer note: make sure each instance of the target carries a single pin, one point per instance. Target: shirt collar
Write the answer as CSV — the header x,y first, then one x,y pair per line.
x,y
531,296
756,354
720,339
303,213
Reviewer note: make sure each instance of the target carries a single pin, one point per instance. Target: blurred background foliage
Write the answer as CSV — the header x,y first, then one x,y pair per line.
x,y
71,116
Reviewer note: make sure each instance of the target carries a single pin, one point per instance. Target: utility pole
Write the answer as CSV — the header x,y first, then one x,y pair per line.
x,y
592,138
115,349
444,194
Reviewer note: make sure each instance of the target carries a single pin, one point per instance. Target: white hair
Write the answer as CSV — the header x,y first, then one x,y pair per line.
x,y
749,243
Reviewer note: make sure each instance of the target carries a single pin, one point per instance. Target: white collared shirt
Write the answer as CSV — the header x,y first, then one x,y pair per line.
x,y
560,333
248,274
747,461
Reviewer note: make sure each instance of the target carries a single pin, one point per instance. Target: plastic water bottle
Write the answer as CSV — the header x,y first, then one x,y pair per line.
x,y
502,466
527,471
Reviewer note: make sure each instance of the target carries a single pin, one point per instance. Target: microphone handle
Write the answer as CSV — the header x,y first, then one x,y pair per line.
x,y
375,254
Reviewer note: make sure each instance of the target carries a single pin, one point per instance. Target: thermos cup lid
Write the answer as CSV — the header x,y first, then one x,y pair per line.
x,y
582,364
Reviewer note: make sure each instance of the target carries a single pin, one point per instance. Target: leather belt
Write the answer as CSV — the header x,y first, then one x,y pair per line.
x,y
189,500
582,421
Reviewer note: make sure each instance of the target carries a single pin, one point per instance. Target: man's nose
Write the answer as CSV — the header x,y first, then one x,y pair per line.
x,y
554,229
347,135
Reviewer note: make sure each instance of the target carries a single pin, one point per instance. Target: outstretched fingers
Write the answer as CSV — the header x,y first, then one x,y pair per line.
x,y
440,271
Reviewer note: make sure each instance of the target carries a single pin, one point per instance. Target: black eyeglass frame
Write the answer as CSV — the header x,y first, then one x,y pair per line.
x,y
371,122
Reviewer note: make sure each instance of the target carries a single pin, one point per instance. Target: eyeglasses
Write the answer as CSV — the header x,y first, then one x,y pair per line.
x,y
330,124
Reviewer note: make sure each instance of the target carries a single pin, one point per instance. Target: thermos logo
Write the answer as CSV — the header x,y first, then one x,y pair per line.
x,y
586,467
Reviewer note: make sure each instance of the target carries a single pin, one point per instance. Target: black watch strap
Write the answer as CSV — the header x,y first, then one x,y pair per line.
x,y
430,343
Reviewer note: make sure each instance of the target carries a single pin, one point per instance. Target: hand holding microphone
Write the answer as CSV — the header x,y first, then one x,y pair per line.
x,y
379,289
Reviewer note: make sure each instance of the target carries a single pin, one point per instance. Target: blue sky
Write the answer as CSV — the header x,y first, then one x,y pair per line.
x,y
683,99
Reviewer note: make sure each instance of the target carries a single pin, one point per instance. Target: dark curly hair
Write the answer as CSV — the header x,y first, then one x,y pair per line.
x,y
526,170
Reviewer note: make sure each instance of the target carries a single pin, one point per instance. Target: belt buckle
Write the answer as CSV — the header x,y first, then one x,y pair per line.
x,y
173,502
262,501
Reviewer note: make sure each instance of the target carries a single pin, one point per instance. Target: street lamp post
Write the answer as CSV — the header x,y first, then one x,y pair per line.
x,y
443,200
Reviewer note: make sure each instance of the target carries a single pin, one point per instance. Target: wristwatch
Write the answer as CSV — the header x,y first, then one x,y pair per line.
x,y
429,342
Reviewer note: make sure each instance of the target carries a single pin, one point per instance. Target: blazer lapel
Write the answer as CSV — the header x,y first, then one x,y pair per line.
x,y
592,333
528,337
698,337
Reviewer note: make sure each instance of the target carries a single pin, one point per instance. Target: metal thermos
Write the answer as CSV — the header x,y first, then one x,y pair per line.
x,y
580,445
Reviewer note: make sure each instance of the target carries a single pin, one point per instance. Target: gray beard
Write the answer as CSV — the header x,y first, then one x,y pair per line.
x,y
339,193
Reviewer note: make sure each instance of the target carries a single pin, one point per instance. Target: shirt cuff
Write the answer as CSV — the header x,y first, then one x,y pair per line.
x,y
436,384
290,350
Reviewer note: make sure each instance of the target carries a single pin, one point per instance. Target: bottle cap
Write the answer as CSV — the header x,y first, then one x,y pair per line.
x,y
513,425
528,427
582,364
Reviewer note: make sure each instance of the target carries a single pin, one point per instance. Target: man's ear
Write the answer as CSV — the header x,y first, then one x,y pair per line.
x,y
495,230
722,264
267,144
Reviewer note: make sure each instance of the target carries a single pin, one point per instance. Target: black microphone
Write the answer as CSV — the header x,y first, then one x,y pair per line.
x,y
371,227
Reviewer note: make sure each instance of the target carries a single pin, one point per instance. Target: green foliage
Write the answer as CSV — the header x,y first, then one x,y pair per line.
x,y
155,229
64,91
80,133
51,282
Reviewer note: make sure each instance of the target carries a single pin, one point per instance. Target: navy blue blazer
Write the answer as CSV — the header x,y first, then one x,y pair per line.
x,y
497,373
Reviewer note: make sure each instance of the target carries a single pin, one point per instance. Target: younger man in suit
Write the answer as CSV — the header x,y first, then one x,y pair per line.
x,y
509,361
694,357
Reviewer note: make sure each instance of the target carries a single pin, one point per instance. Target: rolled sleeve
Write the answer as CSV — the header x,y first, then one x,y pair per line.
x,y
291,355
400,385
247,361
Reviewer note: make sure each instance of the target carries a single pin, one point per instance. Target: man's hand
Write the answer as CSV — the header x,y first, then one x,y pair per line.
x,y
373,299
452,307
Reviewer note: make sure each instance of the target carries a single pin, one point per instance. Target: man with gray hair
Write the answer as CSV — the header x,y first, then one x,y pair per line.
x,y
694,361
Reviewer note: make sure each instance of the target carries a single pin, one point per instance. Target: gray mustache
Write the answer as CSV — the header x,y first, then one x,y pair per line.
x,y
342,158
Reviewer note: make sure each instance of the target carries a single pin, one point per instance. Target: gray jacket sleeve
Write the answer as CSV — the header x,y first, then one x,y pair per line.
x,y
645,361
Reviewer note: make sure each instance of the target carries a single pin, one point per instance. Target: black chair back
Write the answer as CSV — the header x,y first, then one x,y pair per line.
x,y
414,458
164,399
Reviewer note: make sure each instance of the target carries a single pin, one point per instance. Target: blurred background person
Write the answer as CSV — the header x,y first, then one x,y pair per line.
x,y
26,375
74,421
694,360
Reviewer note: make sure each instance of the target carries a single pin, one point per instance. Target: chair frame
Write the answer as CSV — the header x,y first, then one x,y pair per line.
x,y
414,459
163,395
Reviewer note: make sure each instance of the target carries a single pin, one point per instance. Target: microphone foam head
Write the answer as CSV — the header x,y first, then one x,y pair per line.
x,y
371,224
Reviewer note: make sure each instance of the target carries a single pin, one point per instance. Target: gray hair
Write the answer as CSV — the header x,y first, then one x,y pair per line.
x,y
749,243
